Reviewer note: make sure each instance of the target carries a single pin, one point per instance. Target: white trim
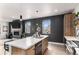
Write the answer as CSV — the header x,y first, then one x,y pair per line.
x,y
56,43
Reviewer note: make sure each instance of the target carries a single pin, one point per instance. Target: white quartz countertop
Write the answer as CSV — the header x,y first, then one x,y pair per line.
x,y
71,38
27,42
3,40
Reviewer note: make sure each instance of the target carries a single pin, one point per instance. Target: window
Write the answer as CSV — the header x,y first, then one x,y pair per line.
x,y
27,27
46,26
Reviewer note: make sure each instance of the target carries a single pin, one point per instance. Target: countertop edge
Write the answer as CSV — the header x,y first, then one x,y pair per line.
x,y
27,47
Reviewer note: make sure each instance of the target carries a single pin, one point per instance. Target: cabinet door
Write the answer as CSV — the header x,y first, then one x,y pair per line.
x,y
31,51
68,27
18,51
44,45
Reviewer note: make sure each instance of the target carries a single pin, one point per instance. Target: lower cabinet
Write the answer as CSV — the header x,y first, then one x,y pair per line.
x,y
41,47
38,48
18,51
44,45
30,51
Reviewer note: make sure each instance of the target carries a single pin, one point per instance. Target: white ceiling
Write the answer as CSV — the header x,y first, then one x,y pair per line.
x,y
10,11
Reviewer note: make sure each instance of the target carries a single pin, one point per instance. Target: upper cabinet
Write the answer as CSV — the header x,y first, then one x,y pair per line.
x,y
28,27
68,27
46,26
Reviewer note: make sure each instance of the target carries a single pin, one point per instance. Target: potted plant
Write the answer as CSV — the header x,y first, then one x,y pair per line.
x,y
74,23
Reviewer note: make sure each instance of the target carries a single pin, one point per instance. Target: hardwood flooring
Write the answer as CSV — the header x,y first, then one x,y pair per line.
x,y
56,49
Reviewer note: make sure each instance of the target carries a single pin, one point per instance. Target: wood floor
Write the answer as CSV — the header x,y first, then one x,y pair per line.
x,y
56,49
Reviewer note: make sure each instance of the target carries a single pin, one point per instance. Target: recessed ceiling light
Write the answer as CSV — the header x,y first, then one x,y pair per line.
x,y
56,10
37,11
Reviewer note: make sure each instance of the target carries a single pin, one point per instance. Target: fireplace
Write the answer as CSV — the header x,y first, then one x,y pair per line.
x,y
16,33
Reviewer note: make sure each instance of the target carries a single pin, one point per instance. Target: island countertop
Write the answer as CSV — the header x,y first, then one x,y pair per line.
x,y
27,42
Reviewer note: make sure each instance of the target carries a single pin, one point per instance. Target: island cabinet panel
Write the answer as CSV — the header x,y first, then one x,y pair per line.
x,y
38,48
44,45
18,51
30,51
68,27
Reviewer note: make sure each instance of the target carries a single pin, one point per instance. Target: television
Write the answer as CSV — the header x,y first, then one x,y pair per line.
x,y
16,24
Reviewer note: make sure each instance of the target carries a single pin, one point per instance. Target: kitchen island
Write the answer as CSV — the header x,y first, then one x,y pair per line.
x,y
29,45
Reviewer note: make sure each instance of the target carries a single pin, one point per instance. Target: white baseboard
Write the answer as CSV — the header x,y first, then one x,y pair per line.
x,y
56,43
